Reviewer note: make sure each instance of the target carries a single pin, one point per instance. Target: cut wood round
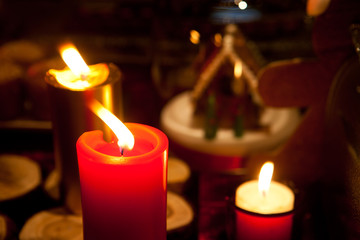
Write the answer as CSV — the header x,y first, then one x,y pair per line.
x,y
18,176
51,184
61,225
178,174
179,212
3,228
53,224
7,229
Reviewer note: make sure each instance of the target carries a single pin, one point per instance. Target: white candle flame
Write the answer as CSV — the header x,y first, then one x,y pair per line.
x,y
265,176
75,62
125,137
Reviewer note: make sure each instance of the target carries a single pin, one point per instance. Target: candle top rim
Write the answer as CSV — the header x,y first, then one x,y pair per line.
x,y
140,131
114,75
280,198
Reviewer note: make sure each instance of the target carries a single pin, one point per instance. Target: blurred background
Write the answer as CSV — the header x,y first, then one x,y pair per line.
x,y
150,40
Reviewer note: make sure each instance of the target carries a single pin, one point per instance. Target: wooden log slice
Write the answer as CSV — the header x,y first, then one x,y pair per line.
x,y
7,229
56,224
59,224
51,184
178,174
18,176
2,228
179,212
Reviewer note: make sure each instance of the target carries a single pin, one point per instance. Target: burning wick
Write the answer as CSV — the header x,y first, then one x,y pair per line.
x,y
78,76
264,193
73,59
121,150
83,77
122,133
265,176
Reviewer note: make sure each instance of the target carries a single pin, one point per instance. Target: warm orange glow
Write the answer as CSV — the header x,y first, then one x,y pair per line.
x,y
238,69
79,76
265,176
194,37
123,134
217,39
316,7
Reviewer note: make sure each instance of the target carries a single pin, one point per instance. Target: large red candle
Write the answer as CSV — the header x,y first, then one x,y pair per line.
x,y
124,194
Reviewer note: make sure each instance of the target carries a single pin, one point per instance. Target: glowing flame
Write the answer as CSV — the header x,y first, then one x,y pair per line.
x,y
242,5
194,37
238,69
217,39
73,59
79,76
125,137
265,176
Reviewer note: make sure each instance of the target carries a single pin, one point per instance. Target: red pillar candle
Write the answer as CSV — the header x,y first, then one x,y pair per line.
x,y
263,226
264,212
124,194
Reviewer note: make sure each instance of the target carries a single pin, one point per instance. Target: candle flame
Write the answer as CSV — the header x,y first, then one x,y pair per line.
x,y
265,176
194,37
125,137
242,5
74,61
217,39
78,75
237,69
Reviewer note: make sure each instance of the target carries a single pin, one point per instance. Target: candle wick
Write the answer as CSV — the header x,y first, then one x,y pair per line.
x,y
264,193
121,151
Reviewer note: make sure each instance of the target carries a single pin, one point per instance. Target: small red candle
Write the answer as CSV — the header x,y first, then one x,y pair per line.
x,y
124,193
264,209
252,226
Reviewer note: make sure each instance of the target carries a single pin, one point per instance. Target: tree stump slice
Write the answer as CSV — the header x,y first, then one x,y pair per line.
x,y
7,229
18,176
178,174
59,224
56,224
3,228
51,184
179,212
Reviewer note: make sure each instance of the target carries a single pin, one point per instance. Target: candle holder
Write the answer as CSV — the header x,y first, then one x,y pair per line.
x,y
70,118
256,226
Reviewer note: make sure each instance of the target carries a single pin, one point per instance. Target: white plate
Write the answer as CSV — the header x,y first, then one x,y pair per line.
x,y
176,122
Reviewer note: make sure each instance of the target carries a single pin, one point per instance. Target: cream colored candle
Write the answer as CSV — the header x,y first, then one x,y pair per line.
x,y
278,199
265,196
